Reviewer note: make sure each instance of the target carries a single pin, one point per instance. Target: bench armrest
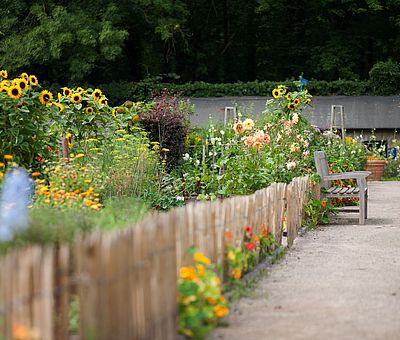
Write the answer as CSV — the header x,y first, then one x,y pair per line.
x,y
347,175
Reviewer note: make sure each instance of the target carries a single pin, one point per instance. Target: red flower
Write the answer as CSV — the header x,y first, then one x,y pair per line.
x,y
49,149
250,246
247,229
39,159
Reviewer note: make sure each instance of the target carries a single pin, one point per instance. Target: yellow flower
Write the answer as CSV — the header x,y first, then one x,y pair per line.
x,y
96,94
79,155
1,174
76,98
231,255
307,101
33,80
22,83
114,113
24,75
8,157
211,300
36,174
88,181
103,101
257,145
291,106
188,299
3,74
296,101
200,269
60,107
248,124
45,97
187,273
282,88
80,90
276,93
2,165
66,91
89,110
15,92
221,311
200,257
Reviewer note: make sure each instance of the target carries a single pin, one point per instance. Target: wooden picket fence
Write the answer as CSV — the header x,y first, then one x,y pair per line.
x,y
125,280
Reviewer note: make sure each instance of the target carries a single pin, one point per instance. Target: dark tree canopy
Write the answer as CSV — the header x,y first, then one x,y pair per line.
x,y
186,40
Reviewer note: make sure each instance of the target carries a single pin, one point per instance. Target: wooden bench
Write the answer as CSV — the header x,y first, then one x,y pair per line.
x,y
360,191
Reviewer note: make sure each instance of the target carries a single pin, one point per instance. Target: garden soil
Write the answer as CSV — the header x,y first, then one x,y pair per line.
x,y
340,281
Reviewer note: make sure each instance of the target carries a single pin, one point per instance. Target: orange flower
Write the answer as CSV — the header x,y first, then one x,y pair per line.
x,y
323,204
8,157
199,257
36,174
221,311
228,235
211,301
256,238
236,274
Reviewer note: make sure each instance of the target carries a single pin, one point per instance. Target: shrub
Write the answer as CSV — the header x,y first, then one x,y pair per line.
x,y
167,123
385,78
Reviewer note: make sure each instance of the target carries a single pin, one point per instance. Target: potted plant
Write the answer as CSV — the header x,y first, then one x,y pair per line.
x,y
375,164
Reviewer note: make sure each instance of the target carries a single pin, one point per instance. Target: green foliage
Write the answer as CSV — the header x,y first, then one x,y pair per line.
x,y
385,78
317,212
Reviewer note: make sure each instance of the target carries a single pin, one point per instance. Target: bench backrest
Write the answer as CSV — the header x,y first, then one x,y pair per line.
x,y
322,167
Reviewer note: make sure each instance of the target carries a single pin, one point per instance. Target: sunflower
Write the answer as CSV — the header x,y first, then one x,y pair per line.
x,y
60,107
114,113
307,101
24,75
3,74
89,110
291,106
276,93
66,91
45,97
282,88
14,92
3,88
33,80
79,90
296,101
22,83
76,98
97,94
103,101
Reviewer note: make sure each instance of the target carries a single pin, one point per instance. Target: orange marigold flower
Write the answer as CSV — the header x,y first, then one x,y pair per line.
x,y
8,157
200,257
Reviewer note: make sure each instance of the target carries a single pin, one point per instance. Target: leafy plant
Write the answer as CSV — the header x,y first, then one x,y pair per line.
x,y
200,301
317,212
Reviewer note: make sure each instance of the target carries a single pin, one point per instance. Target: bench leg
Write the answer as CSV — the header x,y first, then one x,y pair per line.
x,y
362,211
366,204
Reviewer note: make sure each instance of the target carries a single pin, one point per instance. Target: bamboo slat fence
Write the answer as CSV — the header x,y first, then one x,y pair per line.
x,y
125,280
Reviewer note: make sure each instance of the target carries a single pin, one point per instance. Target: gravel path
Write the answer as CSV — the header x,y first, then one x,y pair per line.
x,y
341,281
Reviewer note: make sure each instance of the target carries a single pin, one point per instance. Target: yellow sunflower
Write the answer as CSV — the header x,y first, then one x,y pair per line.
x,y
22,83
33,80
60,107
296,101
3,74
276,93
15,92
97,94
79,90
45,97
114,113
307,101
103,101
89,110
24,75
291,106
76,98
66,91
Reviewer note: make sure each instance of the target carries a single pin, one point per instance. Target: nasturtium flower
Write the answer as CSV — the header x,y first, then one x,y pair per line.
x,y
36,174
200,257
89,109
45,97
97,94
14,92
76,98
276,93
221,311
3,74
33,80
8,157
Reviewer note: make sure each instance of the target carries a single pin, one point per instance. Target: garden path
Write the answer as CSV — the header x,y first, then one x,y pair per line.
x,y
340,281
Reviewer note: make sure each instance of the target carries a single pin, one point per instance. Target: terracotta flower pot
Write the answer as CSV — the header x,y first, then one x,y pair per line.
x,y
375,166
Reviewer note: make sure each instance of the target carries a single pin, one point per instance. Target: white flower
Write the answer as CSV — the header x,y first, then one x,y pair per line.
x,y
186,157
222,132
197,162
291,165
180,198
295,118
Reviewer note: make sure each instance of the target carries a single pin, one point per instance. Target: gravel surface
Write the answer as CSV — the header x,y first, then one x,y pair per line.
x,y
340,281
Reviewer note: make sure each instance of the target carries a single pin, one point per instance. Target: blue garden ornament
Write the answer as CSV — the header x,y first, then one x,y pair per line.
x,y
302,82
14,201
